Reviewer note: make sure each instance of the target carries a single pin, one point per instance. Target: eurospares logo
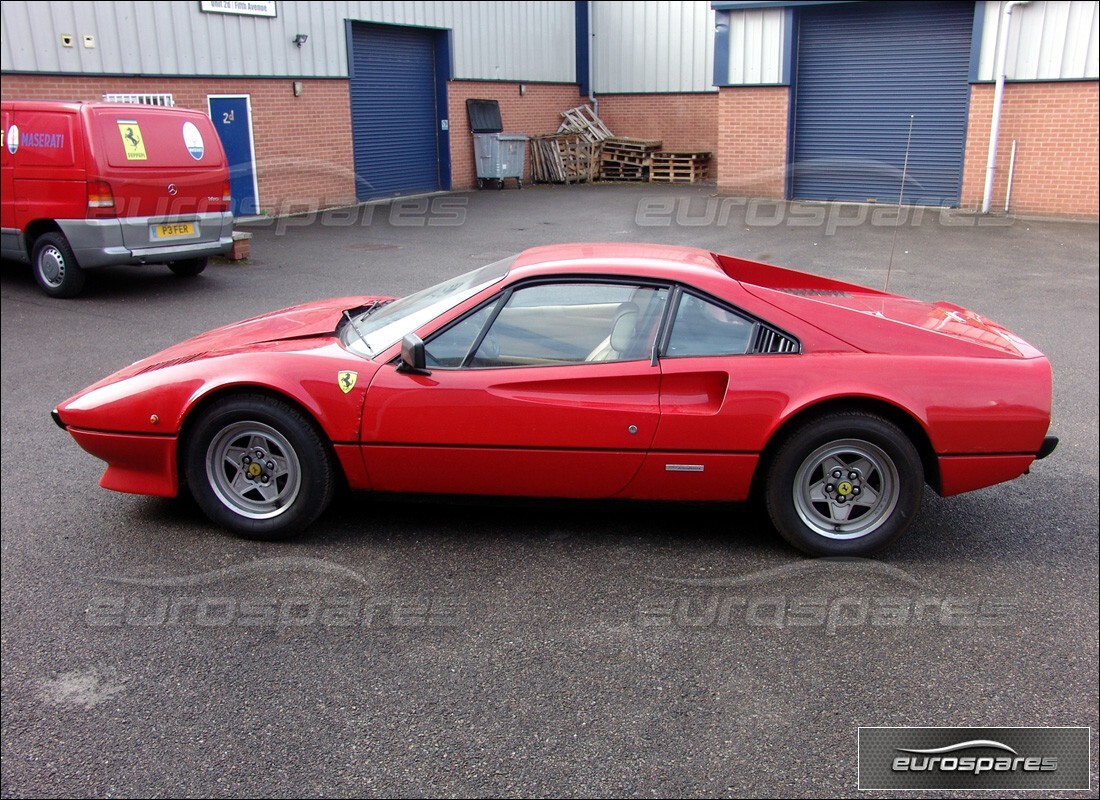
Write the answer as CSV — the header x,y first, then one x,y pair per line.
x,y
974,758
950,759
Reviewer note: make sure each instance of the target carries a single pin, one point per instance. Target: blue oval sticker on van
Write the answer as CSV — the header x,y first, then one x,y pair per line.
x,y
193,140
13,139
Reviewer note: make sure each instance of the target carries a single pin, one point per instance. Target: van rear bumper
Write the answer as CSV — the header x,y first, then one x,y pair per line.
x,y
99,242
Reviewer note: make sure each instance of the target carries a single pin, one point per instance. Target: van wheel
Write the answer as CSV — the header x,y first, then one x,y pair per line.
x,y
188,268
55,267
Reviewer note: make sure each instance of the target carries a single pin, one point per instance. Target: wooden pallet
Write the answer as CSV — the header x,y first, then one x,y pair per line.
x,y
624,159
623,144
679,166
613,171
583,121
563,158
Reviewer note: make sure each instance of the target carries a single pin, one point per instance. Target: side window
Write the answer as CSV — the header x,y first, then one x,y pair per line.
x,y
561,323
450,348
703,328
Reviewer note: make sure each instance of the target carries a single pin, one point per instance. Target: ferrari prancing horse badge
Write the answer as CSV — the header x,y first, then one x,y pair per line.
x,y
346,379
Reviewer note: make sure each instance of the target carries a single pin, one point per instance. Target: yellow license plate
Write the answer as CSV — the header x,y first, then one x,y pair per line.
x,y
175,230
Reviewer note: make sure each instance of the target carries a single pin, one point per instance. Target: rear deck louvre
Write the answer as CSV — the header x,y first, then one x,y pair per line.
x,y
769,340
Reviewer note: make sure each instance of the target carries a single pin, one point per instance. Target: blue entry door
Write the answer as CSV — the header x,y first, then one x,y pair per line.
x,y
232,117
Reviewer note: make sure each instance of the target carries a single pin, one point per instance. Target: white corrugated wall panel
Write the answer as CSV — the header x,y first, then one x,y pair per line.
x,y
756,40
491,40
1048,40
655,46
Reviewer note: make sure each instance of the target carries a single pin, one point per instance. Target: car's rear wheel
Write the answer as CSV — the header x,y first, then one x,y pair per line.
x,y
189,267
55,267
844,485
258,467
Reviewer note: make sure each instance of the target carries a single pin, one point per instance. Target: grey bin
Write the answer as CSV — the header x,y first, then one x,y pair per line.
x,y
499,156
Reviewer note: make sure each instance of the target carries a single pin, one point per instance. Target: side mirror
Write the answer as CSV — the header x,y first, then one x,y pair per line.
x,y
413,359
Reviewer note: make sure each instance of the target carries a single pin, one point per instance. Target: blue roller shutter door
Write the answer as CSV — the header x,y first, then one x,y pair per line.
x,y
394,120
862,70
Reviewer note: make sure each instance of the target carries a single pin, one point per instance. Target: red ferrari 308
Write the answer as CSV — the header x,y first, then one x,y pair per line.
x,y
586,371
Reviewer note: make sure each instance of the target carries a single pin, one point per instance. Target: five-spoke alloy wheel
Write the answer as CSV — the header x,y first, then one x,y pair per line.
x,y
846,484
259,467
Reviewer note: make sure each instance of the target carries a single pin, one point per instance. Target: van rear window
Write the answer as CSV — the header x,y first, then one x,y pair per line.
x,y
143,138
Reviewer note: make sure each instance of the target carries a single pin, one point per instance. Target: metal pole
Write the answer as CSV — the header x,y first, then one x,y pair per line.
x,y
1011,172
998,99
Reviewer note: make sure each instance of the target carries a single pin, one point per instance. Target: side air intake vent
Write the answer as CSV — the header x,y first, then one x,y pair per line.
x,y
769,340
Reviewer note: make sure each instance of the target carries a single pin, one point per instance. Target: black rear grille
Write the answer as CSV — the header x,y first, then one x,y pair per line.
x,y
769,340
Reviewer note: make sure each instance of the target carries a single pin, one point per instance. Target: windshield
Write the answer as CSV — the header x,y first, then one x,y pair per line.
x,y
374,329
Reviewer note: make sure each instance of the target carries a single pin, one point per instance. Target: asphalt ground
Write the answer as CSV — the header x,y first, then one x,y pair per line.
x,y
411,647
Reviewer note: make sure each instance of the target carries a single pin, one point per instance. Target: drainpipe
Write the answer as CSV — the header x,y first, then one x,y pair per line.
x,y
998,99
592,64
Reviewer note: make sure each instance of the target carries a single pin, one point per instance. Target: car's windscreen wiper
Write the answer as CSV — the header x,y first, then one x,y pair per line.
x,y
354,327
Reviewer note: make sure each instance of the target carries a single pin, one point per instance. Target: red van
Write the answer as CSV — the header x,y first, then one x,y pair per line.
x,y
90,184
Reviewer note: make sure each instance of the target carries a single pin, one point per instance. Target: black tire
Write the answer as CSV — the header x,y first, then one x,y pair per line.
x,y
292,474
190,267
871,503
55,267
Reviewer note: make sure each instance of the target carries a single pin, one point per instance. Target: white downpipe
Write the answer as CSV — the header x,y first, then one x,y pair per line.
x,y
998,99
592,64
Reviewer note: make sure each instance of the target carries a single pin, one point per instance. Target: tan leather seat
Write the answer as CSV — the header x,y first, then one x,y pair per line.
x,y
623,333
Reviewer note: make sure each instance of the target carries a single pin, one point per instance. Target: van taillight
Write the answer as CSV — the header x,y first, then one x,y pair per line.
x,y
227,197
101,201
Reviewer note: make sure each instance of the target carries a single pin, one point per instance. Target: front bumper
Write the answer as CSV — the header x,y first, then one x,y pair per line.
x,y
136,464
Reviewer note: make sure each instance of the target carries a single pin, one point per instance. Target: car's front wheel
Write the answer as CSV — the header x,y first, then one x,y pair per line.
x,y
844,485
257,466
55,267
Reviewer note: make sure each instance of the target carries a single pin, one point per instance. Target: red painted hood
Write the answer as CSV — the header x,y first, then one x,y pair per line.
x,y
319,318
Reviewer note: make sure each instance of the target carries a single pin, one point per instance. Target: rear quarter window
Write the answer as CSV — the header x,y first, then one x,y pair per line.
x,y
139,137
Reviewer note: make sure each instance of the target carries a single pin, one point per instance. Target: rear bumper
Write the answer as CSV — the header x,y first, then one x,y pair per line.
x,y
960,474
102,242
1049,443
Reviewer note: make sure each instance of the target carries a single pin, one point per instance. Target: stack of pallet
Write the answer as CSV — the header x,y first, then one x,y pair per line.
x,y
563,158
679,166
583,121
624,159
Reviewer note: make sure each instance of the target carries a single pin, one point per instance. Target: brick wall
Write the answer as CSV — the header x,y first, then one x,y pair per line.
x,y
1055,125
679,121
536,111
304,150
303,144
752,140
